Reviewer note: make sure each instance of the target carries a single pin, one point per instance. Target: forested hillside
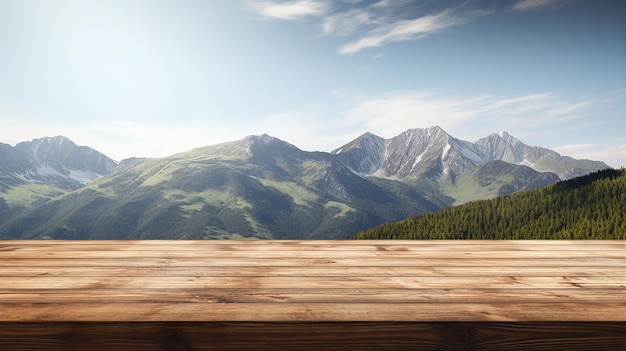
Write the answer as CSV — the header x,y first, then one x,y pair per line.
x,y
588,207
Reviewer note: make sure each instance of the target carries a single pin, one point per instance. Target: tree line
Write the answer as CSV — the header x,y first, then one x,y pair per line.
x,y
588,207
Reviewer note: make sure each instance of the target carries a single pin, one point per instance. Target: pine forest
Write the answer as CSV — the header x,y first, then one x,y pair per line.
x,y
588,207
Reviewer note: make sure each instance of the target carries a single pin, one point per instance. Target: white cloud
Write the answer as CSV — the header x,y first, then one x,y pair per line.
x,y
384,3
405,30
370,25
291,10
357,20
532,101
349,22
532,5
548,105
567,109
392,113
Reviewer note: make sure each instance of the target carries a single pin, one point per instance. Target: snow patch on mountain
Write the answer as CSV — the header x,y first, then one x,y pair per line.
x,y
418,159
55,160
466,151
47,171
433,151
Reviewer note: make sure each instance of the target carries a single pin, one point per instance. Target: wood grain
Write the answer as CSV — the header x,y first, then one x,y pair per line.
x,y
392,336
306,271
378,295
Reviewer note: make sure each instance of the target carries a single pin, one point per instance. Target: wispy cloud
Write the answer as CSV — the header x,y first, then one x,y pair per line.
x,y
406,30
369,24
290,10
533,5
350,22
389,114
548,105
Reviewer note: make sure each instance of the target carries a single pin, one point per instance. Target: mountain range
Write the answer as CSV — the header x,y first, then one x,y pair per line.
x,y
260,186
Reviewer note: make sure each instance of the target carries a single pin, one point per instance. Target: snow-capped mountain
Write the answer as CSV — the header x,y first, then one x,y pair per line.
x,y
56,160
502,146
433,153
364,155
427,152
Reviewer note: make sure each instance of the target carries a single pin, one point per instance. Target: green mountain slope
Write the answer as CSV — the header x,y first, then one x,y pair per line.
x,y
588,207
495,178
258,187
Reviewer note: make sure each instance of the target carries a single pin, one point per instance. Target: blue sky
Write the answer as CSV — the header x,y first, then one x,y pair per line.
x,y
153,77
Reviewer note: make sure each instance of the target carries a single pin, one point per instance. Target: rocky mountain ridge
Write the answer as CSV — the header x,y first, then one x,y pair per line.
x,y
263,187
433,153
53,160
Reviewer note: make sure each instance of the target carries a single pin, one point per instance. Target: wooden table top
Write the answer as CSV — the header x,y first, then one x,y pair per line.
x,y
312,281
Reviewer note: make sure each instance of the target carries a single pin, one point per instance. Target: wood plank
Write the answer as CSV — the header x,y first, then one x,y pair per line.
x,y
307,271
381,274
303,295
383,295
314,254
327,312
390,336
300,262
359,282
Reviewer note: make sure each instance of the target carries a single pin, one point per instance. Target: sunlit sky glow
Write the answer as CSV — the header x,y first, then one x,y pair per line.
x,y
150,78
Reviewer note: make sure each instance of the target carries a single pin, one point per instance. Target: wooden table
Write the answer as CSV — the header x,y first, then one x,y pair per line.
x,y
318,295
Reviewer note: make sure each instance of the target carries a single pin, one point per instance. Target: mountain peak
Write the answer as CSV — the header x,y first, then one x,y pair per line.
x,y
503,146
430,132
56,160
506,137
362,141
266,149
263,137
363,155
433,152
436,129
34,144
59,139
265,140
